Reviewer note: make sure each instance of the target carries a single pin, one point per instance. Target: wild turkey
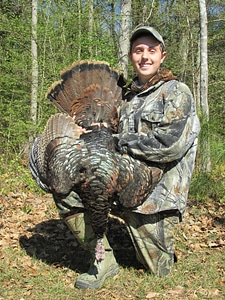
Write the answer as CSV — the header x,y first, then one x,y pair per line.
x,y
63,159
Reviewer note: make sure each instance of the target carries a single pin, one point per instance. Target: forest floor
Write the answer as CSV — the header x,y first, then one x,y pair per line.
x,y
40,258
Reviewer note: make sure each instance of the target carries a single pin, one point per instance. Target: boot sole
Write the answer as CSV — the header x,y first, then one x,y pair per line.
x,y
98,282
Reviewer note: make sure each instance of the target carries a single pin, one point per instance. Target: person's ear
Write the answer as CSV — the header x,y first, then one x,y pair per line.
x,y
163,56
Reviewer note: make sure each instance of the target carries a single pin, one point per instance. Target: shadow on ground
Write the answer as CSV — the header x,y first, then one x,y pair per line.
x,y
53,243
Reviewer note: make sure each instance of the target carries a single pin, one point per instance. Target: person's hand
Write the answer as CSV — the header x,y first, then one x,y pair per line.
x,y
117,143
98,124
82,130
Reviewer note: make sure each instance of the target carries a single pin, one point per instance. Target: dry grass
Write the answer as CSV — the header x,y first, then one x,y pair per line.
x,y
40,259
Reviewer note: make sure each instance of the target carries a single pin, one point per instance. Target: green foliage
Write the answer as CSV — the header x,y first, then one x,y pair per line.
x,y
15,77
15,176
210,185
206,186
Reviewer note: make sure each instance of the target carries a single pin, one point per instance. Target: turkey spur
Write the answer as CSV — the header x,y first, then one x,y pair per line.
x,y
76,151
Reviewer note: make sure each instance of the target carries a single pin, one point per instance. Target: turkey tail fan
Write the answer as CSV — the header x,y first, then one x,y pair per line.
x,y
58,97
96,106
37,166
87,72
81,75
58,126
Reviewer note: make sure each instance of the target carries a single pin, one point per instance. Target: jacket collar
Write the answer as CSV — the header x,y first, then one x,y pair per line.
x,y
163,74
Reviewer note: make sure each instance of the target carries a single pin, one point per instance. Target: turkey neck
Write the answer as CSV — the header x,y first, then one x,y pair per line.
x,y
97,172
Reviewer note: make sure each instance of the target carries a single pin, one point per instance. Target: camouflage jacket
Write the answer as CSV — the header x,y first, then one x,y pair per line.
x,y
159,125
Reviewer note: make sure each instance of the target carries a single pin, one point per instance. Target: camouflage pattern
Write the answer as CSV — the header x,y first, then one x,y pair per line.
x,y
153,237
69,205
81,227
160,126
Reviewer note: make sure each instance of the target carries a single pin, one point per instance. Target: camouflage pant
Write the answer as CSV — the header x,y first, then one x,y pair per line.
x,y
153,237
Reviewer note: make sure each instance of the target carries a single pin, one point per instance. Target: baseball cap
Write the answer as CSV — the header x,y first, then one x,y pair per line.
x,y
146,30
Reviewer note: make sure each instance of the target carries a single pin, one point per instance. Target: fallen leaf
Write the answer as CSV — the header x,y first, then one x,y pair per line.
x,y
178,290
214,292
152,295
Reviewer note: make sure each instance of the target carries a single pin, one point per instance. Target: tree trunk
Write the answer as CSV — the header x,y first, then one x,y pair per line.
x,y
79,28
124,36
90,26
34,75
206,165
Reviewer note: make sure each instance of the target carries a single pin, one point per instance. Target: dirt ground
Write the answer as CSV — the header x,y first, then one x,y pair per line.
x,y
32,223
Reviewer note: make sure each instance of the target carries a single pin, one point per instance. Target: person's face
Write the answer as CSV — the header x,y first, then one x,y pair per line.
x,y
146,57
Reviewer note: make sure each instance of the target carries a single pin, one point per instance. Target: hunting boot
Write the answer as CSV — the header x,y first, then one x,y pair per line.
x,y
81,228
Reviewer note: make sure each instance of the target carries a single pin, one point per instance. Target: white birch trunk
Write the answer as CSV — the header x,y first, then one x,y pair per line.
x,y
206,165
34,75
90,26
124,36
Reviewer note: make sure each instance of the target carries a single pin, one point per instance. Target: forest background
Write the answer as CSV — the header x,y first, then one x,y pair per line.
x,y
39,258
67,31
